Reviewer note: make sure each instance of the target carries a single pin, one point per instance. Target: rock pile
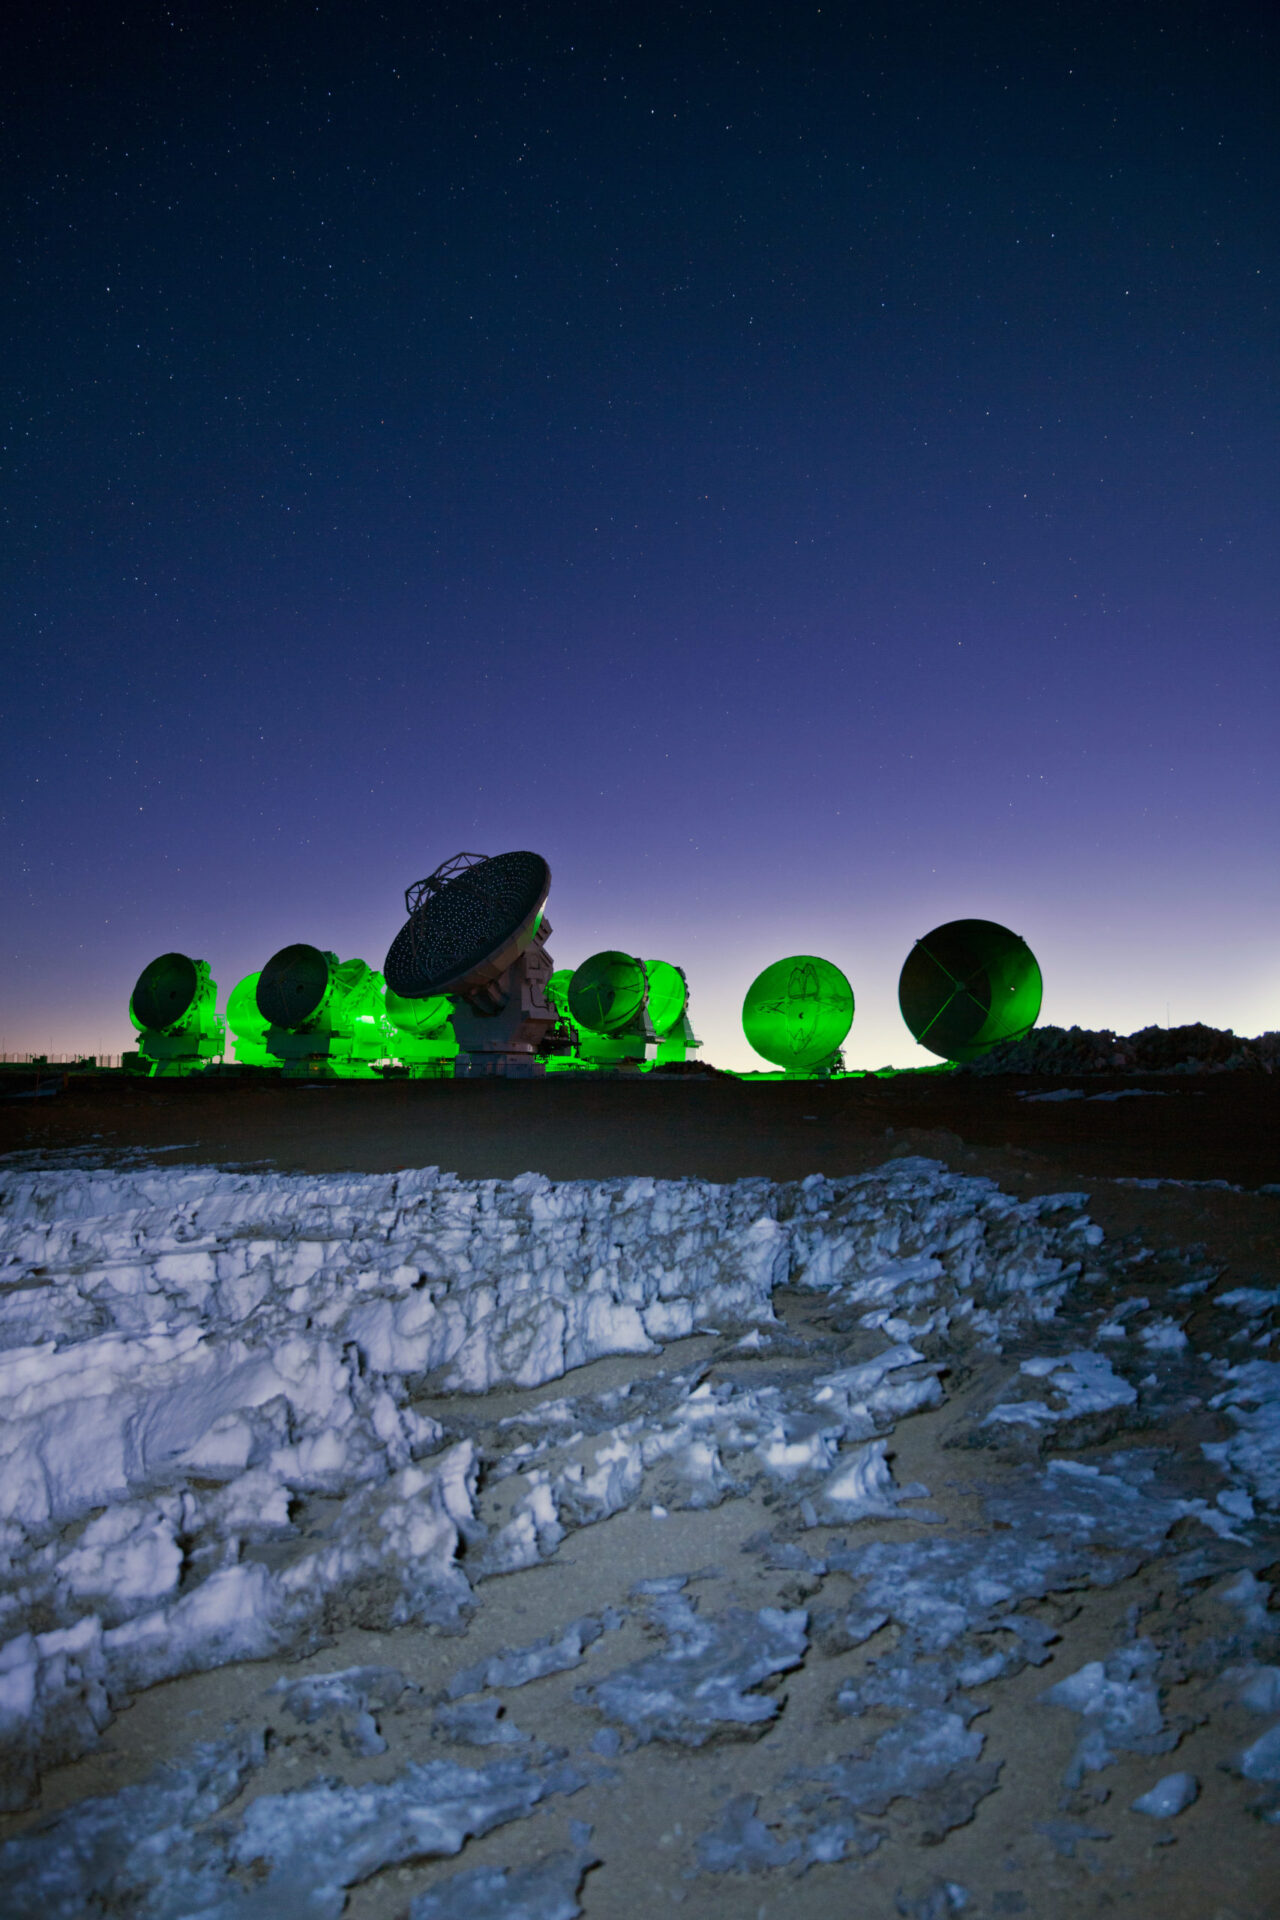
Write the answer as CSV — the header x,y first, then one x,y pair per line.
x,y
1194,1049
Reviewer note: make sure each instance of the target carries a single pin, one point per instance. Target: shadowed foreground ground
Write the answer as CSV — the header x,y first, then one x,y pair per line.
x,y
1186,1127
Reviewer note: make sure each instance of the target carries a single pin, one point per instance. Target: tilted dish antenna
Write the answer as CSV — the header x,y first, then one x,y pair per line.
x,y
607,999
248,1025
296,986
174,1006
475,933
166,991
468,922
668,995
969,985
608,992
669,1012
323,1014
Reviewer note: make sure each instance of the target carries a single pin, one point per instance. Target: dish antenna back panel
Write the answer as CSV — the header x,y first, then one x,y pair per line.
x,y
969,985
475,933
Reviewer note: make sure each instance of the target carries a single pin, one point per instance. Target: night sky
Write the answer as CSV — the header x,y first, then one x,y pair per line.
x,y
809,472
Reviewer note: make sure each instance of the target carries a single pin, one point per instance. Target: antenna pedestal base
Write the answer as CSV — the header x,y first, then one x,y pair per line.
x,y
501,1040
498,1066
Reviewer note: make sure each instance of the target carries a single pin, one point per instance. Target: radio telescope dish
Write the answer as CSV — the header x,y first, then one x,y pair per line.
x,y
418,1017
969,985
468,922
248,1025
323,1015
557,991
174,1007
164,992
668,995
475,935
294,986
798,1011
608,992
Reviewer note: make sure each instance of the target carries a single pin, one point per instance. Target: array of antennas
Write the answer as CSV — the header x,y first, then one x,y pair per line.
x,y
306,1012
618,1011
965,988
469,988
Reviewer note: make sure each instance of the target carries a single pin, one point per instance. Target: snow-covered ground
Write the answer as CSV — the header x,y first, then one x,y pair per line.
x,y
242,1413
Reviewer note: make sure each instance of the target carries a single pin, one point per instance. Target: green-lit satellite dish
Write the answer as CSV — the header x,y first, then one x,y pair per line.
x,y
248,1025
165,991
557,992
294,986
967,986
174,1006
359,994
798,1011
607,992
418,1016
668,995
243,1016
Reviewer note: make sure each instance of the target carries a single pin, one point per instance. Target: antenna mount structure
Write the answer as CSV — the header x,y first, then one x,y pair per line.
x,y
475,933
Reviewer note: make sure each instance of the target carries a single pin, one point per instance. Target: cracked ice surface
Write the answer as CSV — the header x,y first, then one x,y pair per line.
x,y
1119,1702
212,1453
1083,1382
256,1332
548,1890
1253,1402
187,1354
1060,1527
912,1759
199,1363
703,1682
141,1847
516,1667
709,1442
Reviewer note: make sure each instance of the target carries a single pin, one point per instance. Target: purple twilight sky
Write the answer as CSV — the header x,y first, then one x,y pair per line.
x,y
809,472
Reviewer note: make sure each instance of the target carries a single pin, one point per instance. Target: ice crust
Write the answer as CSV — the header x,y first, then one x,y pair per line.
x,y
141,1850
1083,1383
548,1890
138,1844
1252,1400
910,1760
350,1698
1170,1796
1120,1704
1060,1528
211,1452
188,1354
703,1682
516,1667
741,1842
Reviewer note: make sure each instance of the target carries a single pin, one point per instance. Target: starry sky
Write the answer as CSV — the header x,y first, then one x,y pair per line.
x,y
808,471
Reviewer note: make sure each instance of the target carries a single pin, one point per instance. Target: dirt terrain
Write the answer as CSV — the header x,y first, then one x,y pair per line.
x,y
1210,1126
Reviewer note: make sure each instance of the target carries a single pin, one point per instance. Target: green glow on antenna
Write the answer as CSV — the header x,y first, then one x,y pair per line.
x,y
174,1008
248,1025
557,992
325,1016
607,992
798,1011
420,1036
668,995
420,1017
969,985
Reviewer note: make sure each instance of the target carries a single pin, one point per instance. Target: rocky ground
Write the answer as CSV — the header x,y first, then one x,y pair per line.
x,y
899,1538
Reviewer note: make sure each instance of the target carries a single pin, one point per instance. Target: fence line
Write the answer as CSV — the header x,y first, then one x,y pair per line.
x,y
60,1059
